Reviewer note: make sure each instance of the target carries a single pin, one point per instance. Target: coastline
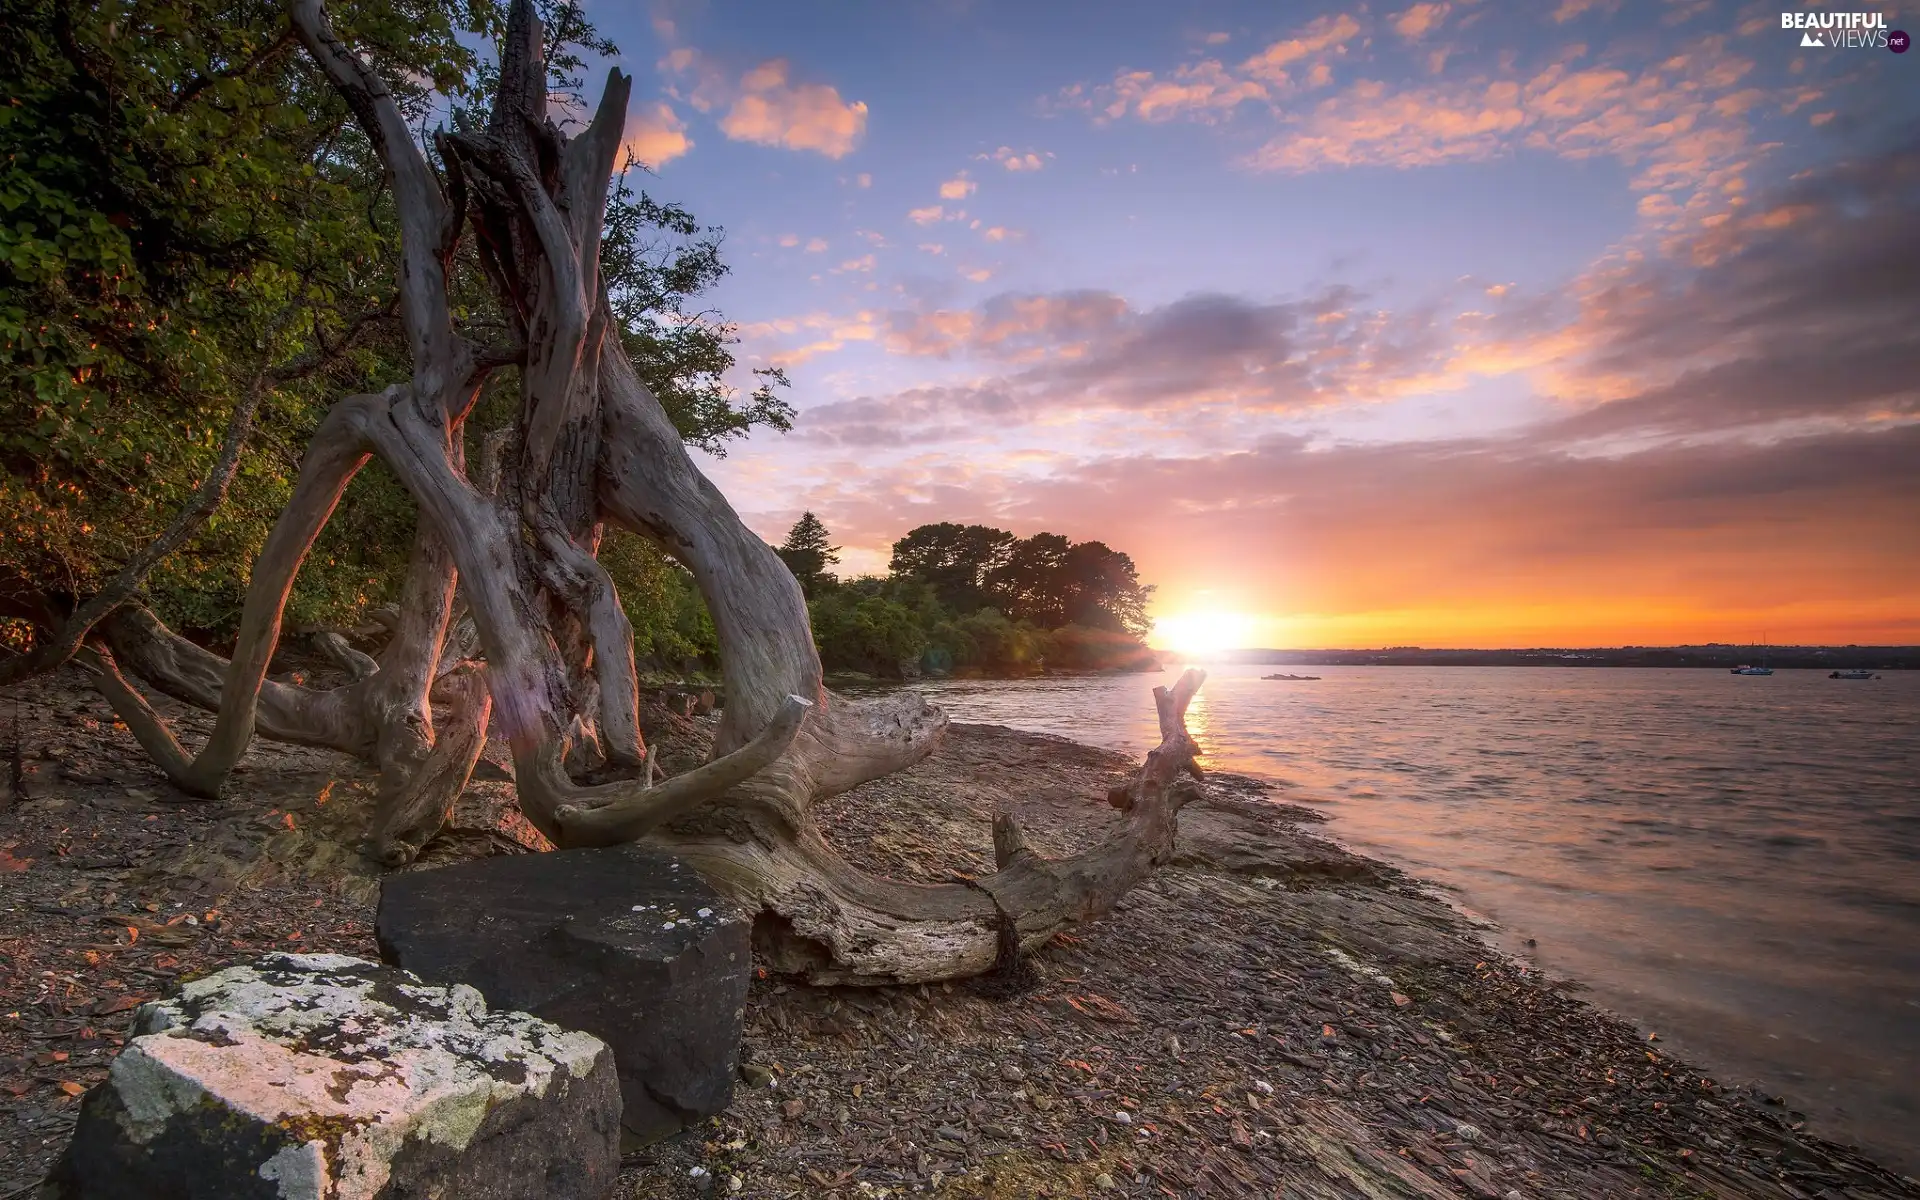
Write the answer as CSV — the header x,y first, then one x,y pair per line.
x,y
1271,1014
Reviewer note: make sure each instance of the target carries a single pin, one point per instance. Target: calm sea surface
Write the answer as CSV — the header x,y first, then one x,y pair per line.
x,y
1733,862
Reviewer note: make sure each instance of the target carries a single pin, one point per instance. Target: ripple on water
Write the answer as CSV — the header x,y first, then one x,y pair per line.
x,y
1689,843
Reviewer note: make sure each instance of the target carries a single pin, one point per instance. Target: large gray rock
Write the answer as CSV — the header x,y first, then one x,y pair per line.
x,y
323,1077
626,943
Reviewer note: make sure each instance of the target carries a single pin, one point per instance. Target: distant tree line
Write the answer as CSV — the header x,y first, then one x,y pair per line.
x,y
969,598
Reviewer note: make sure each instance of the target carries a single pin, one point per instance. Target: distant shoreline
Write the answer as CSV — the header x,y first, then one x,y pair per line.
x,y
1822,658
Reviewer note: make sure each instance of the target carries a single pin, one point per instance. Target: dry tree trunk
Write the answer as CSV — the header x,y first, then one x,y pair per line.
x,y
593,446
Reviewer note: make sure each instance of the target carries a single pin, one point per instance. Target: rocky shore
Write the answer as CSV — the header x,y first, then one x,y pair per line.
x,y
1271,1015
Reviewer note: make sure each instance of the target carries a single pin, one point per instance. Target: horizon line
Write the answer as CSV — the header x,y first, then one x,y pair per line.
x,y
1409,649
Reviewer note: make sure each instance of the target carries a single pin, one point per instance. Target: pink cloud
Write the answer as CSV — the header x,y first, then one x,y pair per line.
x,y
774,111
1014,160
768,106
1420,20
1681,124
1208,90
655,136
1322,35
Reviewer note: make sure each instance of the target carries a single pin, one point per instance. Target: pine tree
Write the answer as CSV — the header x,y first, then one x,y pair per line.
x,y
808,555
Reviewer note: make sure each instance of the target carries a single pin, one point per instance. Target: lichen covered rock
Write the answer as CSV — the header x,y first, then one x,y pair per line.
x,y
323,1077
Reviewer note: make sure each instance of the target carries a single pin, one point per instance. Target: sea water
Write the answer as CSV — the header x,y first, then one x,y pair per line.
x,y
1733,862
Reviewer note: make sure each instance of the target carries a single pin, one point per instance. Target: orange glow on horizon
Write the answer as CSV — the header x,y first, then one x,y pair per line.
x,y
1522,625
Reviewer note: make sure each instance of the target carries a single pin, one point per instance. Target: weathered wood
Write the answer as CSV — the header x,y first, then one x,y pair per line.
x,y
829,922
519,540
334,456
414,806
341,653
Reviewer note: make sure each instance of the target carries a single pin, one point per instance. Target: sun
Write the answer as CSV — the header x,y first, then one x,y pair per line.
x,y
1199,634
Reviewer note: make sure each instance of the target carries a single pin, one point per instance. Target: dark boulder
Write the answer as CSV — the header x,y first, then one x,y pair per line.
x,y
317,1077
626,943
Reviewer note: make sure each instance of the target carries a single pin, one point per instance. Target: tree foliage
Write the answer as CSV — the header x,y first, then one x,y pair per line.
x,y
971,598
185,208
1045,579
808,555
957,561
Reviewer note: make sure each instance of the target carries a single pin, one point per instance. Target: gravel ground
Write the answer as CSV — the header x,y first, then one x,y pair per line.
x,y
1269,1016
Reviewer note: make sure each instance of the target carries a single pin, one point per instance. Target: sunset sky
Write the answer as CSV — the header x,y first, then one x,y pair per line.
x,y
1462,323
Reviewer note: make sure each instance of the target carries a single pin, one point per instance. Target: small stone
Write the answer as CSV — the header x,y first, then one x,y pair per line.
x,y
1467,1133
1104,1182
703,914
1124,1117
1012,1073
793,1108
735,1183
755,1075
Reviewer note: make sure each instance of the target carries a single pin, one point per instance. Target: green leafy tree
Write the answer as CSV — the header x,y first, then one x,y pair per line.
x,y
672,630
862,628
1100,589
192,224
186,209
1080,648
1030,585
658,260
987,641
956,561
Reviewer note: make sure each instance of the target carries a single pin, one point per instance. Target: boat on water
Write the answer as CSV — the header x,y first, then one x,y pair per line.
x,y
1299,678
1857,674
1762,669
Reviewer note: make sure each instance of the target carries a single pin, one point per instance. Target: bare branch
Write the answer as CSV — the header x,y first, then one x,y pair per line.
x,y
428,230
576,576
839,924
358,666
334,457
145,648
615,813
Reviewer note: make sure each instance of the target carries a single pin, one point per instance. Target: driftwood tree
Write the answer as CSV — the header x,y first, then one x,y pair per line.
x,y
548,658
